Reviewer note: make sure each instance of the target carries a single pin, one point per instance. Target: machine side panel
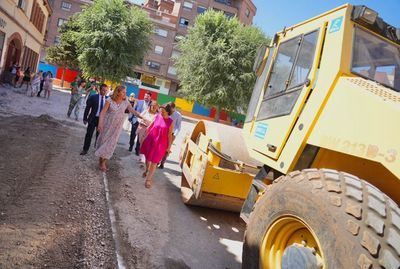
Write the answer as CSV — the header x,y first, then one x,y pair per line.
x,y
361,119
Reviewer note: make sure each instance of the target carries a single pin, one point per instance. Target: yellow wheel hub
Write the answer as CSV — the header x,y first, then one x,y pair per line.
x,y
289,232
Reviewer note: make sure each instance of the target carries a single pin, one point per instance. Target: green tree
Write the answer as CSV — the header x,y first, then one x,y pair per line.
x,y
112,38
65,54
216,62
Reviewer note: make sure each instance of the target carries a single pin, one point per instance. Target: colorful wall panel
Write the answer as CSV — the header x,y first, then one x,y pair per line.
x,y
200,110
143,91
213,110
184,105
163,99
69,75
223,115
130,88
236,116
181,104
48,67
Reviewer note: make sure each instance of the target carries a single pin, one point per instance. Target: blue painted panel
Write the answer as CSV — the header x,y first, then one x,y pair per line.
x,y
200,110
130,88
48,67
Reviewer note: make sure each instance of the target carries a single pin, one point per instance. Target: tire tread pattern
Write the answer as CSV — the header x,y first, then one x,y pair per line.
x,y
373,218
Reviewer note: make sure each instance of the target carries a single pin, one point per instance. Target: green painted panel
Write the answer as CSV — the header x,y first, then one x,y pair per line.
x,y
162,99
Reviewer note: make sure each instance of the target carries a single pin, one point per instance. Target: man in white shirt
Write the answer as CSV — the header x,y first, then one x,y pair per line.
x,y
176,117
94,105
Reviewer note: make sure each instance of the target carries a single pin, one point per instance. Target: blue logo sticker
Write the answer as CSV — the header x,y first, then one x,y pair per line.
x,y
261,130
336,24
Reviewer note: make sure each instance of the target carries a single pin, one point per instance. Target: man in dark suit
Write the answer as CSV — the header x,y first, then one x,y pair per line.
x,y
94,105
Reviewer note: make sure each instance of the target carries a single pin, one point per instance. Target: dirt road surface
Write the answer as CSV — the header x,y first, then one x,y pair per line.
x,y
53,207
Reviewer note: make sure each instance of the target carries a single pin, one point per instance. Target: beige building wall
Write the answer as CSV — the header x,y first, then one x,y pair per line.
x,y
20,39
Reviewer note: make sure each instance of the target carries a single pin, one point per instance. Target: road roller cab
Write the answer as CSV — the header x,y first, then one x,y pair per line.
x,y
327,96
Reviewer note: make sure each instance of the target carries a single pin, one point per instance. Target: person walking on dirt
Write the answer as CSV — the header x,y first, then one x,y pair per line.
x,y
35,84
48,84
131,100
176,117
76,97
44,75
26,79
15,74
92,89
94,105
157,141
142,105
111,120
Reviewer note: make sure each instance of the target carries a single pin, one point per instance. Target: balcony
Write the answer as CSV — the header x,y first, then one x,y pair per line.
x,y
231,3
227,6
225,2
163,22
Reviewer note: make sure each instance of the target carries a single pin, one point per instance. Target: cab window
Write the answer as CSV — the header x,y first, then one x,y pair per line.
x,y
289,74
376,59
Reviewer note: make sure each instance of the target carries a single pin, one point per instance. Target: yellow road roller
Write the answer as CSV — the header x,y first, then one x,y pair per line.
x,y
212,173
322,139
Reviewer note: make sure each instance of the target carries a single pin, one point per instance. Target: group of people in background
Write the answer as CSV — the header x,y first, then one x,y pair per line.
x,y
81,90
154,126
35,82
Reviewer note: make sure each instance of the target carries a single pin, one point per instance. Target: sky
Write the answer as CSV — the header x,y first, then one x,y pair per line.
x,y
273,15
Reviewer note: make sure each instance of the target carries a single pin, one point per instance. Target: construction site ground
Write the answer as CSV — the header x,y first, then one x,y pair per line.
x,y
54,211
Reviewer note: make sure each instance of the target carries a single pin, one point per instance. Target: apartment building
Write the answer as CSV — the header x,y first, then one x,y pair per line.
x,y
22,33
62,11
171,21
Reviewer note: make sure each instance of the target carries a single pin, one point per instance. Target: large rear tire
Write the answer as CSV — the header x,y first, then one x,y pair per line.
x,y
354,224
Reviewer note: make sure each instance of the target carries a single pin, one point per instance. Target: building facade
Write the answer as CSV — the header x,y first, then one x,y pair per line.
x,y
62,11
22,33
171,21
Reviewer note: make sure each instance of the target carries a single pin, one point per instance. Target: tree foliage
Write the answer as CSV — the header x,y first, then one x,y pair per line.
x,y
111,39
65,53
215,66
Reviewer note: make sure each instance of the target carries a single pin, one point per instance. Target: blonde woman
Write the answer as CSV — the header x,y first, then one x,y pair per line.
x,y
110,125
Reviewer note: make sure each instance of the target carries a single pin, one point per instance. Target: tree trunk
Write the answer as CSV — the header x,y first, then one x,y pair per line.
x,y
217,111
62,77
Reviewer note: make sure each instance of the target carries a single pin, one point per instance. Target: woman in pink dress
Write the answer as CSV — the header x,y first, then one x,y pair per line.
x,y
157,141
111,120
